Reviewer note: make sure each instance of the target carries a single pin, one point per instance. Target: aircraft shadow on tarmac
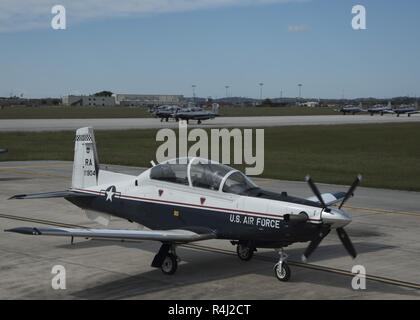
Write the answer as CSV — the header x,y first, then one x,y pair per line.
x,y
202,267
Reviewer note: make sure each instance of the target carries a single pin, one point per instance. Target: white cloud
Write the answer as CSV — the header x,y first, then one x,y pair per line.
x,y
298,28
18,15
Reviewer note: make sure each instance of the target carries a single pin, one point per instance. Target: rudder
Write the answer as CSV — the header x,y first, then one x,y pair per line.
x,y
86,164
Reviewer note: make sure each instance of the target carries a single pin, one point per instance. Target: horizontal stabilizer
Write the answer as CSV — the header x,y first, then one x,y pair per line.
x,y
330,198
157,235
54,194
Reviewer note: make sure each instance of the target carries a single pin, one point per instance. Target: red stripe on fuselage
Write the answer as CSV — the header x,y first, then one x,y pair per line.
x,y
192,205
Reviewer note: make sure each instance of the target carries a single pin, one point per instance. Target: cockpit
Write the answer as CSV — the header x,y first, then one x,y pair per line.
x,y
202,173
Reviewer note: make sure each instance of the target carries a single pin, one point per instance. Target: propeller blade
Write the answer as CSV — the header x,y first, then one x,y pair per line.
x,y
351,190
315,190
345,239
313,245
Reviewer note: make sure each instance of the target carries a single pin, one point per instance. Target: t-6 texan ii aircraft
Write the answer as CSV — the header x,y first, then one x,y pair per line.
x,y
192,199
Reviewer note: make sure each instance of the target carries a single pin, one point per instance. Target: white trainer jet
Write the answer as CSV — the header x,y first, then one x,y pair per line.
x,y
192,199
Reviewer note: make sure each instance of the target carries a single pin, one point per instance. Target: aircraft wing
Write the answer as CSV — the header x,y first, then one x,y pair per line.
x,y
330,198
54,194
156,235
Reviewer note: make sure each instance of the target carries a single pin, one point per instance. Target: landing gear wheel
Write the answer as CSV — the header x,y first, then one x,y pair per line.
x,y
282,272
199,122
170,264
245,253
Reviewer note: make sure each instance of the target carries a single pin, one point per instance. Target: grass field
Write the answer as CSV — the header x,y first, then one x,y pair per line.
x,y
388,155
126,112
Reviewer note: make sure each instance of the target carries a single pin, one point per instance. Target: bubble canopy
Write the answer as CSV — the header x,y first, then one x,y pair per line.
x,y
202,173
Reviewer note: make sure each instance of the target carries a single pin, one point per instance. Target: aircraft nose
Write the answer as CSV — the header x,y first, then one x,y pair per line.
x,y
336,218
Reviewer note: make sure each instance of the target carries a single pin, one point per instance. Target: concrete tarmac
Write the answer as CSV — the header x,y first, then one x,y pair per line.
x,y
385,232
221,122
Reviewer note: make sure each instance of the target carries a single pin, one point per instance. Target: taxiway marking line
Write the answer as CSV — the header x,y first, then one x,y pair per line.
x,y
388,281
35,166
384,211
37,174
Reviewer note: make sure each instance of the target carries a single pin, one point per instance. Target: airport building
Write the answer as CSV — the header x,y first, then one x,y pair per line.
x,y
135,100
102,101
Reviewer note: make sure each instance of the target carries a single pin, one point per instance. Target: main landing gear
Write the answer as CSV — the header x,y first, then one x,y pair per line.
x,y
281,269
245,252
166,259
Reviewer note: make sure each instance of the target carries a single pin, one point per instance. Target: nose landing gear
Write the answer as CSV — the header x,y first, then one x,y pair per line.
x,y
282,269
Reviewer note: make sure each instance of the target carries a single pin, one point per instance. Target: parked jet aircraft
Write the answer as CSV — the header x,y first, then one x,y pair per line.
x,y
197,114
192,199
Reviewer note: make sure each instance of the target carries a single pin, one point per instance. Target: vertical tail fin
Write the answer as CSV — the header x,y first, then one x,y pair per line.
x,y
215,108
86,164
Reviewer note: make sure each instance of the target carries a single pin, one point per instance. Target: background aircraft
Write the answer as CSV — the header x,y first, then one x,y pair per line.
x,y
379,109
3,151
351,109
405,109
193,199
165,112
198,114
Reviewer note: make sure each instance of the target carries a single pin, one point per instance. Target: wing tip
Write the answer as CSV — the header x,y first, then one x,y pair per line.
x,y
25,230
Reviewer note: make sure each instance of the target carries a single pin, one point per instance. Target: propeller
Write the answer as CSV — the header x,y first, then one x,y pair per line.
x,y
345,239
315,190
342,234
313,245
350,193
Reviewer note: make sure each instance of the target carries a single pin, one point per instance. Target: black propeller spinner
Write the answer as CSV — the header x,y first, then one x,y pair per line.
x,y
342,234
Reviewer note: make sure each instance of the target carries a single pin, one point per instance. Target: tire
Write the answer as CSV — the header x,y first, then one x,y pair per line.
x,y
169,265
245,253
283,274
199,122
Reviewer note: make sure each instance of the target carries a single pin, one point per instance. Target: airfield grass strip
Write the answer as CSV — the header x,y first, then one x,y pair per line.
x,y
63,112
388,155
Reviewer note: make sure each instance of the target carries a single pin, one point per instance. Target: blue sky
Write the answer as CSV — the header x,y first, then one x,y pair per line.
x,y
138,47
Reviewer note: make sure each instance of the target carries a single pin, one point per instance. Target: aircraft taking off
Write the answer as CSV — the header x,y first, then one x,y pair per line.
x,y
192,199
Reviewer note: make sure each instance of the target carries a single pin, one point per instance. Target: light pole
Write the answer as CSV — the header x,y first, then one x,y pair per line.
x,y
300,91
193,90
227,91
261,90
